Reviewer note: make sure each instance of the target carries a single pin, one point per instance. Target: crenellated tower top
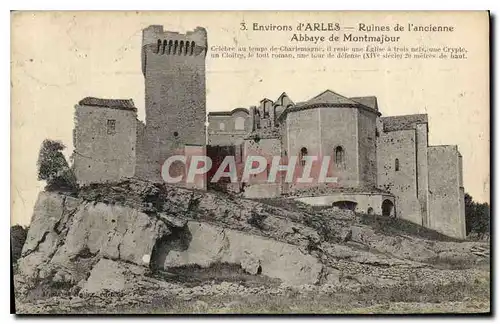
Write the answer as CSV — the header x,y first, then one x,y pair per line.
x,y
158,41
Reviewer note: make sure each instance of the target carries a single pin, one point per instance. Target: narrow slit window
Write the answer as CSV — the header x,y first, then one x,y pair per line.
x,y
181,48
158,46
111,126
339,157
164,47
192,48
396,164
302,155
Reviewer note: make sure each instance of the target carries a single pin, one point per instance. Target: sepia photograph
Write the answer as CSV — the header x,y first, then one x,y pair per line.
x,y
250,162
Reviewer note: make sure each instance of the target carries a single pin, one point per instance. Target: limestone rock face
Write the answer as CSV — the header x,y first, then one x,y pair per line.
x,y
113,233
109,275
67,236
205,244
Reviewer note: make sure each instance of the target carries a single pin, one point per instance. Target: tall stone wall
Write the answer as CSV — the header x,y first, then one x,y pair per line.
x,y
446,207
258,186
422,144
228,129
400,145
174,70
367,139
339,128
103,152
144,166
303,130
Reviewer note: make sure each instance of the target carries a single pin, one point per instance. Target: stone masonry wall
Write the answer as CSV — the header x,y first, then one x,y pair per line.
x,y
367,148
422,171
403,183
258,186
103,154
222,129
339,127
445,194
174,70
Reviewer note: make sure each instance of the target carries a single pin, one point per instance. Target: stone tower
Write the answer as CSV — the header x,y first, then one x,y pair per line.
x,y
173,65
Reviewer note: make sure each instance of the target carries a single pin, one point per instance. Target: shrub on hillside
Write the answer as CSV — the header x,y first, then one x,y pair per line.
x,y
477,218
53,167
17,239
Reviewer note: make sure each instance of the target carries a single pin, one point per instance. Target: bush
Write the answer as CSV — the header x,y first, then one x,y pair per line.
x,y
257,220
477,218
53,168
17,239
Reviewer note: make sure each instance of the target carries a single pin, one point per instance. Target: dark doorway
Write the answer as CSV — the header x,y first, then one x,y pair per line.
x,y
387,208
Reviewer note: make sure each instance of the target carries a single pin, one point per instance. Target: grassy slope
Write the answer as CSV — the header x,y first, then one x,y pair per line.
x,y
470,298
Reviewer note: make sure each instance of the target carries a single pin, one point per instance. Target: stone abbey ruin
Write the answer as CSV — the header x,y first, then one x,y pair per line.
x,y
384,165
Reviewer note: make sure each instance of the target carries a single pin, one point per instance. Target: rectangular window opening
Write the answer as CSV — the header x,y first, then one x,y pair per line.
x,y
111,126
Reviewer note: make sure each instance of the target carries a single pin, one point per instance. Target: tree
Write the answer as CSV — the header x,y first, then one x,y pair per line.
x,y
477,217
17,239
53,167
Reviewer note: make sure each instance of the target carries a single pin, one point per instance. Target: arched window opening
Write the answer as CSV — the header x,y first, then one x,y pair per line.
x,y
170,44
158,46
186,48
192,48
396,164
176,43
266,111
181,47
164,50
222,126
370,211
302,155
239,123
340,157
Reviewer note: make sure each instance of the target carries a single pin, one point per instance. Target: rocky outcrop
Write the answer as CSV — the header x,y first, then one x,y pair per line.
x,y
68,235
113,276
210,244
70,240
17,239
107,234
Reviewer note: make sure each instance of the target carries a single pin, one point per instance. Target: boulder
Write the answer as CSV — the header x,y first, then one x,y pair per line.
x,y
107,275
209,244
251,265
68,236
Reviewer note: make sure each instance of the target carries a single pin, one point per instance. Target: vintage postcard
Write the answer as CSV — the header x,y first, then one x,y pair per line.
x,y
250,162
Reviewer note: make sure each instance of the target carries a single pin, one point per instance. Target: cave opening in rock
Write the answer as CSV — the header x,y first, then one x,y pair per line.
x,y
178,240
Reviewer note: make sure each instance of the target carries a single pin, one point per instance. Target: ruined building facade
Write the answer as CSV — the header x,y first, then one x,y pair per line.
x,y
383,165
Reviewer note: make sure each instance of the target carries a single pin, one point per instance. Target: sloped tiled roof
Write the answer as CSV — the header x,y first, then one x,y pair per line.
x,y
330,97
125,104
